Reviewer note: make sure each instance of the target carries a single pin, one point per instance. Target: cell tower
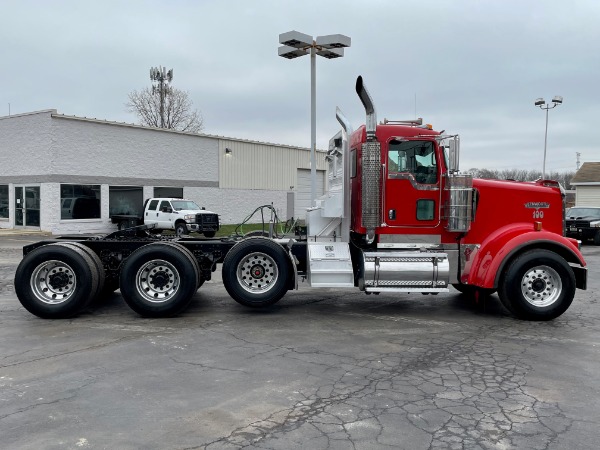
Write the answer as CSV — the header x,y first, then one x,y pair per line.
x,y
163,78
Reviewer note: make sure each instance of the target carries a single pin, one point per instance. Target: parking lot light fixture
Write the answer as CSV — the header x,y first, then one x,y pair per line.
x,y
541,103
296,44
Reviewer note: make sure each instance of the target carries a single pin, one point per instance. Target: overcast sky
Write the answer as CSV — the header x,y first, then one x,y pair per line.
x,y
474,67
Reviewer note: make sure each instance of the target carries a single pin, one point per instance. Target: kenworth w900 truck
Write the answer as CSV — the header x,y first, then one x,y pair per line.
x,y
398,217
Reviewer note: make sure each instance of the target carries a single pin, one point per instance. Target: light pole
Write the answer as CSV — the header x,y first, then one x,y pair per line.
x,y
557,100
294,45
163,77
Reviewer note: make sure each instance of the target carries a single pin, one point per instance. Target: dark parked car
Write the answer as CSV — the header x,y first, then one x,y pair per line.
x,y
584,223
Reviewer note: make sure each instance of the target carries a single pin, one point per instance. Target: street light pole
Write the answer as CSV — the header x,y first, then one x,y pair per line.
x,y
313,125
540,102
294,45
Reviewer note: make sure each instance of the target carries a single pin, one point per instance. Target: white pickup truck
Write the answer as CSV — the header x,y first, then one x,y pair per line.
x,y
180,215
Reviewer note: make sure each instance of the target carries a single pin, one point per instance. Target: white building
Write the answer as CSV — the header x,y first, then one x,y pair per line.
x,y
66,174
587,184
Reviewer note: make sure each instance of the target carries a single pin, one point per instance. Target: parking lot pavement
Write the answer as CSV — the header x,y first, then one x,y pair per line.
x,y
322,369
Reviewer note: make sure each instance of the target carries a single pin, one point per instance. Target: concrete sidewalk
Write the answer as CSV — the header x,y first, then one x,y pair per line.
x,y
17,232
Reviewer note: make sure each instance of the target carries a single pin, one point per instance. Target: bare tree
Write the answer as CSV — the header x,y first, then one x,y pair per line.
x,y
164,106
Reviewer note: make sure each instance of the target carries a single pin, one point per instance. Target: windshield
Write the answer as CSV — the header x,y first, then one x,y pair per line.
x,y
178,205
584,212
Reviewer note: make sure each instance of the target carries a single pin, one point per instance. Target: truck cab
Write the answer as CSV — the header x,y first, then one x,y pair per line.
x,y
415,223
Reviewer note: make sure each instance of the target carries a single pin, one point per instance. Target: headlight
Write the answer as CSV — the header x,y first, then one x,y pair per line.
x,y
595,224
193,216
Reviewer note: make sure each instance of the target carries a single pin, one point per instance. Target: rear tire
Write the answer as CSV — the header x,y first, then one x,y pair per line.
x,y
159,280
97,264
255,272
538,285
56,281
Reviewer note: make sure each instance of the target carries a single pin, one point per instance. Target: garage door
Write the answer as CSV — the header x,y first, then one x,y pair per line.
x,y
302,200
587,196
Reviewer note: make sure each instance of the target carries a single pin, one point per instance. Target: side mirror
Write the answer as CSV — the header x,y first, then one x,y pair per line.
x,y
166,209
453,154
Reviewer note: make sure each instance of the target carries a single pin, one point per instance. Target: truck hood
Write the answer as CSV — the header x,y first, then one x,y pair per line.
x,y
500,203
185,212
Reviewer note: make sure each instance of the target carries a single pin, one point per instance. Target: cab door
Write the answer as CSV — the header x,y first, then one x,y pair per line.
x,y
412,182
164,215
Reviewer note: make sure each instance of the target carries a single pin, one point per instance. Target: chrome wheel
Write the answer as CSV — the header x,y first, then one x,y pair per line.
x,y
53,282
541,286
157,281
257,273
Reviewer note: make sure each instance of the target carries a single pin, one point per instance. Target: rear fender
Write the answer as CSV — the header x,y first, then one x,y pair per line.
x,y
485,264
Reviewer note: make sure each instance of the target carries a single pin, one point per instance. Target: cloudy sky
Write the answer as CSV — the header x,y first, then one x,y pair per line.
x,y
471,67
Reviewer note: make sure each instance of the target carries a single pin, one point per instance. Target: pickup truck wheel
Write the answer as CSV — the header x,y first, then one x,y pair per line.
x,y
56,281
158,280
181,229
538,285
210,234
255,272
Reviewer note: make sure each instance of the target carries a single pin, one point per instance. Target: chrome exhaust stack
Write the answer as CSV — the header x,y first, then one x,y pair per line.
x,y
346,132
371,167
367,102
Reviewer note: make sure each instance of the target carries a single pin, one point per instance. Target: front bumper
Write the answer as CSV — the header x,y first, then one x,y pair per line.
x,y
581,232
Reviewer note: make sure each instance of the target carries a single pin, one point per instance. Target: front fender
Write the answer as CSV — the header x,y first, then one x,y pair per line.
x,y
485,264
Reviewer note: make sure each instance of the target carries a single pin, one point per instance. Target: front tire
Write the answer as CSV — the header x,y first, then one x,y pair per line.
x,y
538,285
56,281
255,272
159,280
181,229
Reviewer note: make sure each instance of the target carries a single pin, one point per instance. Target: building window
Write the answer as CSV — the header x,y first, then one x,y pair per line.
x,y
126,200
168,192
79,201
4,201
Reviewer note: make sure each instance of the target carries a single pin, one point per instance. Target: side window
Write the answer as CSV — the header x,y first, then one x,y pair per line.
x,y
165,204
425,209
152,206
414,157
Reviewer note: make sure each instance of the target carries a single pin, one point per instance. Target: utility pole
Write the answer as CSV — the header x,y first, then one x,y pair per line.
x,y
163,78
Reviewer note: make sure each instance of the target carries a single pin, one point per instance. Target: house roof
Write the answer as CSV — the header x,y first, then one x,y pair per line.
x,y
589,173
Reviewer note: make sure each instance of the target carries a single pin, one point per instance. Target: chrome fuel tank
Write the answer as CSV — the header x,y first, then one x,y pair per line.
x,y
406,271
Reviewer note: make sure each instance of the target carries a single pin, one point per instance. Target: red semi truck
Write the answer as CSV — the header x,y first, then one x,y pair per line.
x,y
398,217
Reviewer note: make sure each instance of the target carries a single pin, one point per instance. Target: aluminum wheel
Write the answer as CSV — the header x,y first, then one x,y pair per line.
x,y
157,281
541,286
257,273
53,282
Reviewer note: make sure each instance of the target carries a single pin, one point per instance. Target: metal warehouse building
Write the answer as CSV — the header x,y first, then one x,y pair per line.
x,y
66,174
